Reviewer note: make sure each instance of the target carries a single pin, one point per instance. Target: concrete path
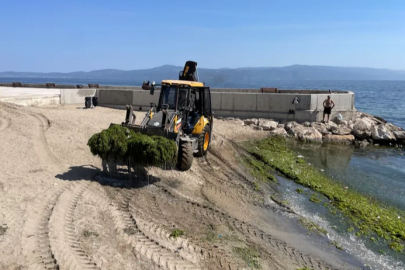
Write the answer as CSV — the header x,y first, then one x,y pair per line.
x,y
6,92
30,96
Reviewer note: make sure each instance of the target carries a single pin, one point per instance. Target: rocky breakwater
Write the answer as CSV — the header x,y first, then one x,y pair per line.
x,y
365,130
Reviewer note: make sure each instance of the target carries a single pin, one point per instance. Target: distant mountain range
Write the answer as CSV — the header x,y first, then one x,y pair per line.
x,y
225,76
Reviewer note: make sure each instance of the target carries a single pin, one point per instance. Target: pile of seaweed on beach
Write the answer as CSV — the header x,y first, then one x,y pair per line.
x,y
119,144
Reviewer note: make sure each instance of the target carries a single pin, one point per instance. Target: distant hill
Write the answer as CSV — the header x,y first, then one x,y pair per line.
x,y
226,76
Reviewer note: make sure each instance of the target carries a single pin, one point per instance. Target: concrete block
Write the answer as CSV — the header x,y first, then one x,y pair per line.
x,y
305,102
314,102
282,103
76,96
115,97
244,102
142,98
342,101
264,101
227,103
216,101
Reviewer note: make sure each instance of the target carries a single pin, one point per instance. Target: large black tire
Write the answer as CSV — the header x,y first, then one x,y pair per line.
x,y
185,156
202,140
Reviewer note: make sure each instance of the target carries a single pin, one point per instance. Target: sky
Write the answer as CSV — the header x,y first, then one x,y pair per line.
x,y
73,35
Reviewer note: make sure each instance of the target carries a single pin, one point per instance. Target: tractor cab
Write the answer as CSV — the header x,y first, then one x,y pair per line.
x,y
182,102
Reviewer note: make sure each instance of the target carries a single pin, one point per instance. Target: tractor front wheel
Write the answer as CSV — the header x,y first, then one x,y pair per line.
x,y
204,141
185,156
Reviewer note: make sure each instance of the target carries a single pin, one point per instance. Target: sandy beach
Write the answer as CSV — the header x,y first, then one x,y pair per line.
x,y
59,209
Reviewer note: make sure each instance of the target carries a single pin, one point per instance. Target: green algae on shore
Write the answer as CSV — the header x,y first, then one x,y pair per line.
x,y
176,233
250,255
258,169
366,214
311,226
119,144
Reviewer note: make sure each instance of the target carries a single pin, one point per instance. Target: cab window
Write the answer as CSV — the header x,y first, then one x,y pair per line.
x,y
168,96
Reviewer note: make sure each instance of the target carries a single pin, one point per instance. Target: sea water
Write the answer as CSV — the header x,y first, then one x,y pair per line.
x,y
376,172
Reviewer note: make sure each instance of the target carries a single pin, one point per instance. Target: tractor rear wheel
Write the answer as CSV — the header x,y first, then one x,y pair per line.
x,y
185,156
204,141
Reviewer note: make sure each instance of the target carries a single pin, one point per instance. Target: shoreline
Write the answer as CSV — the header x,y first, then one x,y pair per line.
x,y
217,216
366,215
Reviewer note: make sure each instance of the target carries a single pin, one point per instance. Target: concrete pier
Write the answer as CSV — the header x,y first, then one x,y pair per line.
x,y
242,103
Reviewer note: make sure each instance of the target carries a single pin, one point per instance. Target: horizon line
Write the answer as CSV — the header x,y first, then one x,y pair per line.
x,y
171,65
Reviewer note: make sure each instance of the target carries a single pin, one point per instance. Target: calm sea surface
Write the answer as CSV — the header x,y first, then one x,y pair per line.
x,y
375,171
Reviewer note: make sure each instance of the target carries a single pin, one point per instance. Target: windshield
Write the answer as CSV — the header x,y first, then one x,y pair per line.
x,y
169,97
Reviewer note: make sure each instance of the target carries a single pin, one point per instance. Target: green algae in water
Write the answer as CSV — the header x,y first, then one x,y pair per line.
x,y
118,143
398,247
315,199
366,214
336,244
311,226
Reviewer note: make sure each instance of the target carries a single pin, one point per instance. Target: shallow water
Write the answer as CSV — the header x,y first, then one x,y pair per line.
x,y
378,172
373,171
367,251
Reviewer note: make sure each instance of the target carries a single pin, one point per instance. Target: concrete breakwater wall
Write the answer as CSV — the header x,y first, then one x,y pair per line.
x,y
247,105
242,103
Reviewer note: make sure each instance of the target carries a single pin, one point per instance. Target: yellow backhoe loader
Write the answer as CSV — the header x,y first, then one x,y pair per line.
x,y
183,114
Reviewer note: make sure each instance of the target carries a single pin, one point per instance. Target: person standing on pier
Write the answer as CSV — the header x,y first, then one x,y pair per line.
x,y
328,105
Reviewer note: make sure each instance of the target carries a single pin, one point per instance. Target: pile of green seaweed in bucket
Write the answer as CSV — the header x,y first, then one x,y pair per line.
x,y
120,144
368,216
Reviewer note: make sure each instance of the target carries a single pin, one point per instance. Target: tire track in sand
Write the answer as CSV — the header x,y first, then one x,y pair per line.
x,y
40,124
230,187
155,225
148,246
64,241
11,212
49,235
41,146
11,218
5,122
113,244
248,230
144,246
186,247
37,246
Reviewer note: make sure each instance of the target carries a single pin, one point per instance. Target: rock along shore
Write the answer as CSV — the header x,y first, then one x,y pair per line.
x,y
365,130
